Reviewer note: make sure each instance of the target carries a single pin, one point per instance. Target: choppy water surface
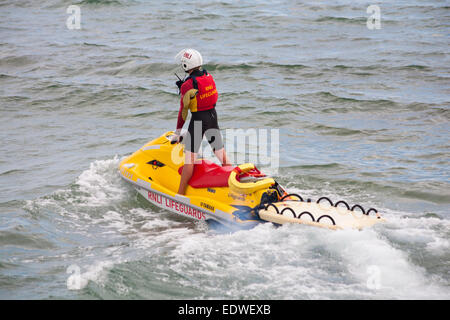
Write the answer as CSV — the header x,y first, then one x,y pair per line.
x,y
363,116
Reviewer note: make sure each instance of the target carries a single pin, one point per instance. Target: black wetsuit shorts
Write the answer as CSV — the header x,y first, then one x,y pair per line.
x,y
203,123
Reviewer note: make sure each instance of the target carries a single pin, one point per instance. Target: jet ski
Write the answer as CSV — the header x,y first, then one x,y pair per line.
x,y
237,197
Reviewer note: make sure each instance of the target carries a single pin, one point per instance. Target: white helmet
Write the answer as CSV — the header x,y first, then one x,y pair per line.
x,y
189,59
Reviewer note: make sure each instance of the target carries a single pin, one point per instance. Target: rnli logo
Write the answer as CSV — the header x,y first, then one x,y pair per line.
x,y
187,55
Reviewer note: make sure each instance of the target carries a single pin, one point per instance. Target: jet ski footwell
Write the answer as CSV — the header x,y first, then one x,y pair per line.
x,y
237,197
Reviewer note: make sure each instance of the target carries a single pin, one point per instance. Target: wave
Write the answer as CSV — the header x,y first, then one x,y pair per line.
x,y
253,65
94,44
20,237
17,61
12,171
98,186
6,76
381,67
342,104
313,257
103,2
133,67
353,20
413,67
357,20
316,166
327,265
198,263
346,181
140,67
426,195
335,131
52,4
361,104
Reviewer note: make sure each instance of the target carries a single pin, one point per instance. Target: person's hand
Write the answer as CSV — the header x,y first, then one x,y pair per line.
x,y
175,138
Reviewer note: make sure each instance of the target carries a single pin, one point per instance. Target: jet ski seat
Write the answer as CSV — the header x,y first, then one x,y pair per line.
x,y
208,174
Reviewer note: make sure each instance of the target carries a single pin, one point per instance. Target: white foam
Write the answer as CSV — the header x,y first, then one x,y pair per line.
x,y
363,251
439,246
300,262
100,183
114,220
290,262
155,224
96,273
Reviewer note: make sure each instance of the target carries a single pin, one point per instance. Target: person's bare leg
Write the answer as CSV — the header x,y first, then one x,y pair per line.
x,y
188,170
222,156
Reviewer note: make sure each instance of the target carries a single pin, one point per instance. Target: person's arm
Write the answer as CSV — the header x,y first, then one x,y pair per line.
x,y
187,94
182,116
177,134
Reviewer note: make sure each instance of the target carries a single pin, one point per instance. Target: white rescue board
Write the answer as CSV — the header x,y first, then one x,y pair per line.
x,y
318,215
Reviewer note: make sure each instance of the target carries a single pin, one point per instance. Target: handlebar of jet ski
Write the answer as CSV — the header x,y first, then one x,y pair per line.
x,y
179,140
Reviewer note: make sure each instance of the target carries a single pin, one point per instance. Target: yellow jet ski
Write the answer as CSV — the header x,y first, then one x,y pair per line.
x,y
237,197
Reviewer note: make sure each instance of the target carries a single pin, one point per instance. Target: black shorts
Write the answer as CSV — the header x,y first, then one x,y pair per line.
x,y
203,123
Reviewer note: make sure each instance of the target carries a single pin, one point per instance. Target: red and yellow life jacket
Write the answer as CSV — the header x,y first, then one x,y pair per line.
x,y
198,93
